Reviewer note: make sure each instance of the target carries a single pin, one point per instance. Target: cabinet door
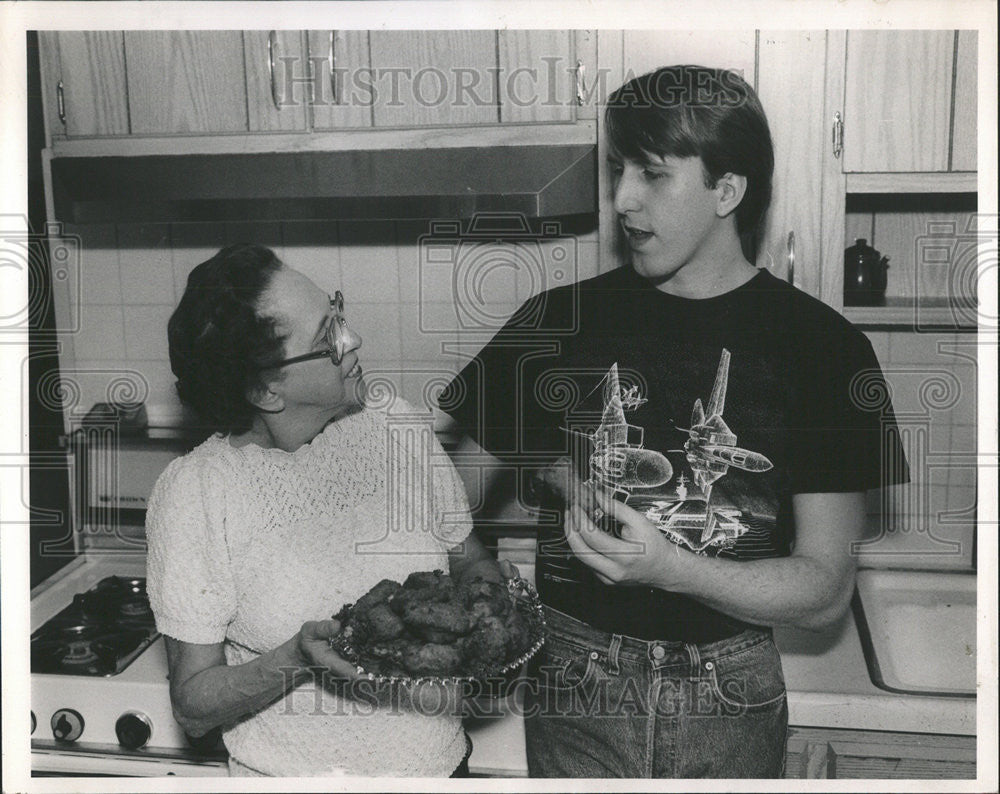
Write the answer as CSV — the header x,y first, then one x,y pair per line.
x,y
897,105
791,88
537,77
442,77
342,79
186,81
963,136
277,80
646,50
91,67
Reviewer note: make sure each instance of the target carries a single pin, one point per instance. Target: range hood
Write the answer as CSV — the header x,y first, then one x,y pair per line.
x,y
534,181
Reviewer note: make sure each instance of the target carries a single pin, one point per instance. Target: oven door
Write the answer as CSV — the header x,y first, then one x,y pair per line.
x,y
50,760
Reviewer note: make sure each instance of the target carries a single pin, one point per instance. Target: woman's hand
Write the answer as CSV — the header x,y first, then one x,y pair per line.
x,y
313,647
643,556
508,570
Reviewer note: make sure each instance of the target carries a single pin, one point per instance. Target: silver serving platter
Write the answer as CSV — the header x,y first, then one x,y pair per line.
x,y
526,598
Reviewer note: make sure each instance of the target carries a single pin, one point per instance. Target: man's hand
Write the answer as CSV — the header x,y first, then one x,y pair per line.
x,y
643,556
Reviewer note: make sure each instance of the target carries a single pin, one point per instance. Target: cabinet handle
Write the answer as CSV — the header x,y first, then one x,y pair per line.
x,y
838,134
61,101
332,64
791,258
580,94
272,45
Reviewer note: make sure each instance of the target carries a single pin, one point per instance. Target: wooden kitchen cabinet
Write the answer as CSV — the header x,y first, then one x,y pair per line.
x,y
340,68
964,127
910,101
849,754
83,82
790,84
186,82
278,80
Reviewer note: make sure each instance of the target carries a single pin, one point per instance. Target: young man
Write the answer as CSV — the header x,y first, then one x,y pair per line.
x,y
727,426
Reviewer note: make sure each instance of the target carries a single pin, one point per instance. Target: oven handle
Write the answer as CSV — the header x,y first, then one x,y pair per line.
x,y
69,762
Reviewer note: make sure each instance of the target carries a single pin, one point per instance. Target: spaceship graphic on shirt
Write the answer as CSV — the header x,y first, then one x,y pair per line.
x,y
619,460
686,516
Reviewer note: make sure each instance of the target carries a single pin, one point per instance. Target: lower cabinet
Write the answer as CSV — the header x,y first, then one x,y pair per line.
x,y
826,753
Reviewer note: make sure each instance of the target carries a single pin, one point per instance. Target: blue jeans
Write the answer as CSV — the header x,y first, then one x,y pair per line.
x,y
606,705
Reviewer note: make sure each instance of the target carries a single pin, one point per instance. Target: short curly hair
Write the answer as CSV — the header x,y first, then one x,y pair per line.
x,y
219,343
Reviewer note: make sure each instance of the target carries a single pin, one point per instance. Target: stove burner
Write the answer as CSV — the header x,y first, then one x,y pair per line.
x,y
99,633
80,653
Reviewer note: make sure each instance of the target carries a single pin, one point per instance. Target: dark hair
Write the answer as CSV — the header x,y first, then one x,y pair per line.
x,y
219,344
696,111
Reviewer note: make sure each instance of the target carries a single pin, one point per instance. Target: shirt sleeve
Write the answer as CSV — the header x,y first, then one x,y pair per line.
x,y
847,438
189,579
506,399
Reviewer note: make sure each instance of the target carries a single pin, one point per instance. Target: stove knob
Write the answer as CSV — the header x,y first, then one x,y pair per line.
x,y
67,725
133,730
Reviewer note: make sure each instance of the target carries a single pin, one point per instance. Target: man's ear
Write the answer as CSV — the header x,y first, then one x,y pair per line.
x,y
730,189
267,398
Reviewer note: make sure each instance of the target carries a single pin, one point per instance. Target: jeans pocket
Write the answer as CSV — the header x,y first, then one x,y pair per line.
x,y
565,669
747,680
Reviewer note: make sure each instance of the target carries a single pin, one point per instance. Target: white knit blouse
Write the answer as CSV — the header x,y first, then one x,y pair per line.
x,y
246,544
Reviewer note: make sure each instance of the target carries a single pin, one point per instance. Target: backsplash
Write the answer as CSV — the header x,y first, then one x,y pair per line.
x,y
929,522
402,300
399,298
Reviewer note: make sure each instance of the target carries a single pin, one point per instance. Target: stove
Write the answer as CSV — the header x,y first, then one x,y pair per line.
x,y
100,633
100,696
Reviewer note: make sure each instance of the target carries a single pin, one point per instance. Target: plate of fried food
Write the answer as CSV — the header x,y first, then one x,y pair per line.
x,y
432,627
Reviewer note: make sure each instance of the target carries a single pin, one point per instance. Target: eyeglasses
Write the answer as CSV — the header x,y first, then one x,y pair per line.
x,y
336,337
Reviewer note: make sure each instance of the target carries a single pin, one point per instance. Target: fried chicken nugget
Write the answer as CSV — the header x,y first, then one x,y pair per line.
x,y
379,594
437,621
485,649
421,587
380,623
432,659
519,634
484,598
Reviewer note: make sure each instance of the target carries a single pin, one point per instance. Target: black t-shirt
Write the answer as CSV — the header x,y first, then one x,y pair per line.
x,y
706,415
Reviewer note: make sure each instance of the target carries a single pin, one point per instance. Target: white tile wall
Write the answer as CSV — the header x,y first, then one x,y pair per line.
x,y
933,384
406,308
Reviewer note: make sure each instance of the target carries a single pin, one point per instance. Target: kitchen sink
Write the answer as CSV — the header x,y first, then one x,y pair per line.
x,y
918,631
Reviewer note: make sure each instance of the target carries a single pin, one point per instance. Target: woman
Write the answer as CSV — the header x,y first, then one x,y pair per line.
x,y
282,516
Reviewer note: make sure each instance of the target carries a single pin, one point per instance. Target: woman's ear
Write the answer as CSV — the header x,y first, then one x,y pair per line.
x,y
267,398
730,189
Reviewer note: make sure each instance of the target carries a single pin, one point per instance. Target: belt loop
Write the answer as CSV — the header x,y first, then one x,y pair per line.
x,y
695,656
613,648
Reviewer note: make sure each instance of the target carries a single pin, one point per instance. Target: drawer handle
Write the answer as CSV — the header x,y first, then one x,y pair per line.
x,y
580,93
61,101
272,45
838,134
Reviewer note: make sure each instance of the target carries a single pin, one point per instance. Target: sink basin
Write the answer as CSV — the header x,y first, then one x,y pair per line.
x,y
918,630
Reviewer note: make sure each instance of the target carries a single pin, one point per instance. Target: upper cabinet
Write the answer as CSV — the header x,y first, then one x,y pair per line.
x,y
185,82
84,83
909,101
157,83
